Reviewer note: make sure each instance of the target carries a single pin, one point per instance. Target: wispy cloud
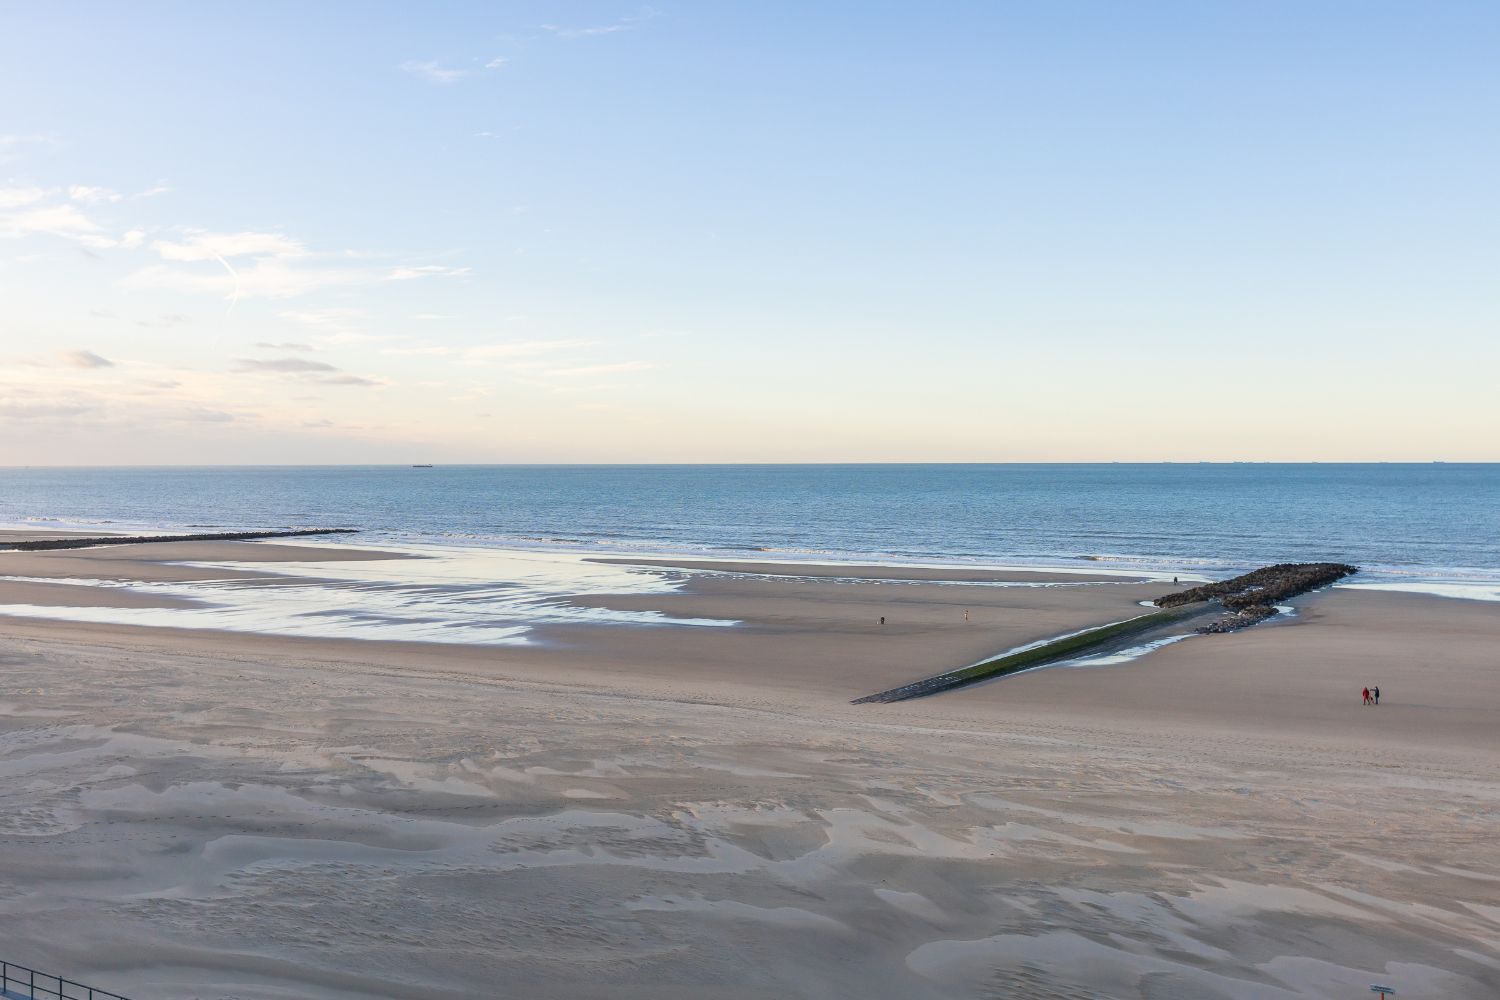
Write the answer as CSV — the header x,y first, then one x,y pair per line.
x,y
85,359
269,274
201,415
265,278
91,195
305,369
50,220
35,211
432,71
626,23
352,380
199,245
598,29
163,320
426,271
496,63
283,347
41,410
284,366
15,197
267,265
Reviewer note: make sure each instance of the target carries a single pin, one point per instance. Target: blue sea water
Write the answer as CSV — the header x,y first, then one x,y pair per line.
x,y
1430,521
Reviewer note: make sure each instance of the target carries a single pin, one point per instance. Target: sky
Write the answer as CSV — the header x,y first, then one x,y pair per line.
x,y
743,232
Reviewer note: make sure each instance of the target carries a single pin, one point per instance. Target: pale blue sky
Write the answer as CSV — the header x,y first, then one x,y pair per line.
x,y
714,232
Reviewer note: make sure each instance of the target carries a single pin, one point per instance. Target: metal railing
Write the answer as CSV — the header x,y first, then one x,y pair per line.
x,y
17,981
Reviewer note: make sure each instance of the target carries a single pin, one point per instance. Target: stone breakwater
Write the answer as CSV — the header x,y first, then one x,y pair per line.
x,y
1238,620
1251,597
43,544
1248,598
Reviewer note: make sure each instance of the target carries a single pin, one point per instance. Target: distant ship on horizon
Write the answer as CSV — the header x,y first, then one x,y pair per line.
x,y
427,466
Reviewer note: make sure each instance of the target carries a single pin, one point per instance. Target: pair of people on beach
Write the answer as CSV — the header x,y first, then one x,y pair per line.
x,y
1372,697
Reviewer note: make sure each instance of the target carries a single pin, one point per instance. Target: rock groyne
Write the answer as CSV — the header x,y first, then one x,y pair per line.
x,y
44,544
1251,597
1248,598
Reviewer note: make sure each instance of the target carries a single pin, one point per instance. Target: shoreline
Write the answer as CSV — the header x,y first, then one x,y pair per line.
x,y
1455,582
185,585
1452,582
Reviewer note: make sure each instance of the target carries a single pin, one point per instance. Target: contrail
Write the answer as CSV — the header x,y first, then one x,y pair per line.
x,y
234,296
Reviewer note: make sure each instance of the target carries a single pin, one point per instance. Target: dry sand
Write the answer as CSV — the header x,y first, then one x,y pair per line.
x,y
677,812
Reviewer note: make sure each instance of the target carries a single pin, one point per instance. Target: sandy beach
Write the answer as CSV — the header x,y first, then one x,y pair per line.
x,y
634,501
622,810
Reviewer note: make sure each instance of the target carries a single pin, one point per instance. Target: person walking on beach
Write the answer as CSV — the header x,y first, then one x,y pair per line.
x,y
966,614
882,619
1376,693
1367,697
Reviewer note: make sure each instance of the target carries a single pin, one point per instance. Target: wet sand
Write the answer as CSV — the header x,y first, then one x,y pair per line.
x,y
678,812
947,574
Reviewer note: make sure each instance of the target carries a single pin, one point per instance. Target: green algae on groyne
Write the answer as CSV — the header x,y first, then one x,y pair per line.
x,y
1036,655
45,544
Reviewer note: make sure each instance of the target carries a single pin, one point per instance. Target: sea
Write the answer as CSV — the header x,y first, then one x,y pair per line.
x,y
508,543
1430,519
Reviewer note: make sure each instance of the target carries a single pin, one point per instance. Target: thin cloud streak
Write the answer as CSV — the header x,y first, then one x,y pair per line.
x,y
627,23
85,359
283,365
432,71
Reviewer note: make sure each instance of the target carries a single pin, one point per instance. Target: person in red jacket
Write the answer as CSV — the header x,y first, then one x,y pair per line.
x,y
1367,696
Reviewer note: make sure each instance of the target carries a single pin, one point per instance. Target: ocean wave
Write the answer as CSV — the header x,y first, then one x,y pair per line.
x,y
1473,591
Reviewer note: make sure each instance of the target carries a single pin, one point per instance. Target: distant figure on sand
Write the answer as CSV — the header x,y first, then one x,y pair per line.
x,y
966,614
1376,693
1367,690
882,621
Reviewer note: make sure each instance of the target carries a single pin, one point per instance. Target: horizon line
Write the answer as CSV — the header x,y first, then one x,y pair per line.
x,y
731,464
